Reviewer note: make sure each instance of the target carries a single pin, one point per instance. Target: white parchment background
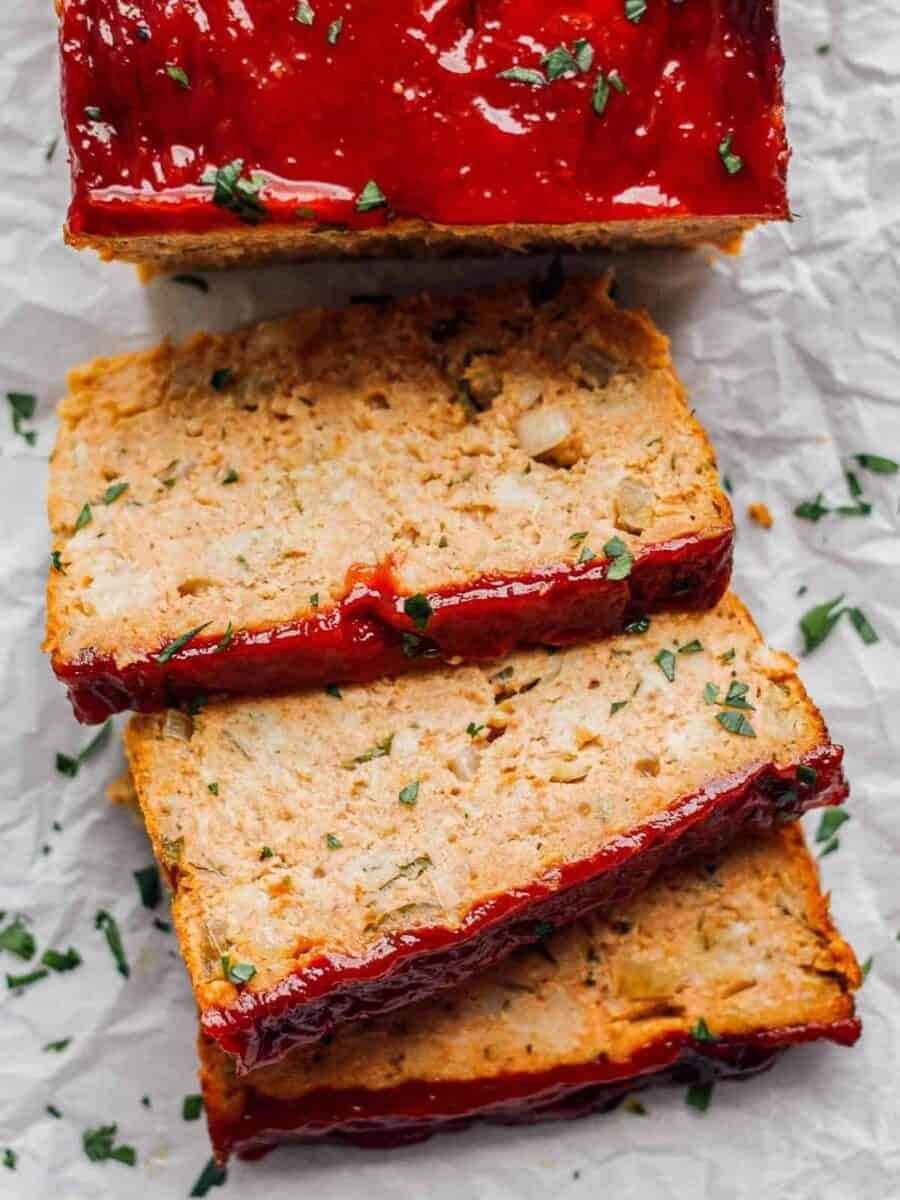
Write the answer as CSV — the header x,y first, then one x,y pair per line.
x,y
793,358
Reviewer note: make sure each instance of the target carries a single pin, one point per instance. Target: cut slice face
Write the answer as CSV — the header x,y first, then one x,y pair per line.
x,y
336,855
344,495
716,967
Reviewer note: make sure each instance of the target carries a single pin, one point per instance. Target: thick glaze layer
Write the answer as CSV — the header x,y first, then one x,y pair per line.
x,y
409,95
414,1111
362,637
261,1027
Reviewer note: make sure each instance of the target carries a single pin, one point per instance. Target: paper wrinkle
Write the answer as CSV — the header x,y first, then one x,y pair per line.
x,y
792,358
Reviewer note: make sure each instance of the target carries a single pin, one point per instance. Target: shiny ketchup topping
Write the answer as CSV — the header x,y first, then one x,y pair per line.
x,y
412,1111
357,112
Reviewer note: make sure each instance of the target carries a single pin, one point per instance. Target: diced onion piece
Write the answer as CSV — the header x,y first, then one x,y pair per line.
x,y
634,505
464,765
177,724
529,394
569,770
513,491
540,429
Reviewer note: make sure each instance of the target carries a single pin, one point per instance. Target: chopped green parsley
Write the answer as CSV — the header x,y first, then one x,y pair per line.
x,y
147,880
418,609
693,647
735,722
622,559
17,982
99,1145
67,765
18,939
527,75
370,198
178,75
730,161
878,464
237,973
61,960
665,660
107,923
699,1095
641,625
234,193
211,1176
380,750
180,642
22,406
225,640
830,822
409,794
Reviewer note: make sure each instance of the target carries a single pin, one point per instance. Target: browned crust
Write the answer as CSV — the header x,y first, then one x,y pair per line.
x,y
246,246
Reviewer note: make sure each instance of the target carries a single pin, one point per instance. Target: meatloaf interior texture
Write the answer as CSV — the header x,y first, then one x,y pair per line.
x,y
531,470
717,964
360,847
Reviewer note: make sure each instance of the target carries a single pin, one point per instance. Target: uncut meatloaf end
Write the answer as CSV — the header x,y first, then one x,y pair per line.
x,y
344,495
356,849
718,966
663,127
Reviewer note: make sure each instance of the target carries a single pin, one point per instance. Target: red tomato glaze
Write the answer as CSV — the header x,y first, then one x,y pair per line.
x,y
413,1111
409,95
262,1027
367,634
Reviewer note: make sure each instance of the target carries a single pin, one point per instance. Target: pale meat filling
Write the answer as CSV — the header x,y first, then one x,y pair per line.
x,y
316,823
262,465
741,943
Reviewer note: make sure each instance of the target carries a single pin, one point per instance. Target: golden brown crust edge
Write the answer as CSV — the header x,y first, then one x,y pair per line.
x,y
241,247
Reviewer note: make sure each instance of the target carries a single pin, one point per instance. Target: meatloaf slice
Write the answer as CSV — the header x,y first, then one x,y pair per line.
x,y
338,854
343,495
719,965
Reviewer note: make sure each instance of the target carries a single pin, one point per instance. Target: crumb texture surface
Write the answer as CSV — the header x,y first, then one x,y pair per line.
x,y
743,943
317,823
240,478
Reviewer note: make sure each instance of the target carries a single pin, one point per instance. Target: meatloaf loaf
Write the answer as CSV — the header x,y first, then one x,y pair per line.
x,y
713,970
343,495
338,854
231,133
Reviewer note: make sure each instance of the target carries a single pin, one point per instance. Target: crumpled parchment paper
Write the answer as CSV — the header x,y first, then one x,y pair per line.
x,y
793,360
